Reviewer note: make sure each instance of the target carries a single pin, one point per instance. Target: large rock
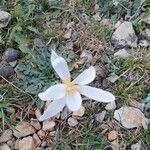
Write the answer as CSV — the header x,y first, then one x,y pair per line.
x,y
124,36
27,143
130,117
6,136
4,18
23,130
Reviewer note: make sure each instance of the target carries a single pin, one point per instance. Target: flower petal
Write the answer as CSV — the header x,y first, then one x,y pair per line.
x,y
86,76
53,108
97,94
54,92
60,66
74,101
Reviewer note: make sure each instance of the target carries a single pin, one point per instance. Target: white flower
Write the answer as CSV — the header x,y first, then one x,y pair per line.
x,y
69,92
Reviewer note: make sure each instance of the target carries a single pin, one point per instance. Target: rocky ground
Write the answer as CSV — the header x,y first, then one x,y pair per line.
x,y
114,37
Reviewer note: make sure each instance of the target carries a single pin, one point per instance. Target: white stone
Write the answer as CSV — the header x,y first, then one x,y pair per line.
x,y
68,34
124,36
122,53
130,117
4,18
79,112
111,106
72,122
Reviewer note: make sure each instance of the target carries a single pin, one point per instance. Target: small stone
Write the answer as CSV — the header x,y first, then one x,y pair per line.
x,y
6,135
138,105
13,63
111,106
122,53
130,117
36,139
79,112
115,145
23,130
136,146
4,18
7,71
112,135
97,16
27,143
52,133
41,134
113,78
124,36
35,124
10,55
38,113
144,43
48,125
72,122
4,147
68,34
17,144
100,116
64,114
117,24
44,143
147,32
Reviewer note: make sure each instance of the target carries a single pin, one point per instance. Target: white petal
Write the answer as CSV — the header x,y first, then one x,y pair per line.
x,y
54,92
86,76
74,101
53,108
97,94
60,66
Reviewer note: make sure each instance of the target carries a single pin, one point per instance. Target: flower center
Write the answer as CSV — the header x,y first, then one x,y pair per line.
x,y
71,87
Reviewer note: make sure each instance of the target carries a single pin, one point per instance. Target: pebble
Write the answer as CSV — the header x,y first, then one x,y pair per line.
x,y
6,135
10,55
111,106
130,117
4,18
79,112
4,146
144,43
7,71
41,134
122,53
38,113
72,122
136,146
23,130
36,124
48,125
113,78
100,116
112,135
68,34
27,143
36,139
138,105
124,36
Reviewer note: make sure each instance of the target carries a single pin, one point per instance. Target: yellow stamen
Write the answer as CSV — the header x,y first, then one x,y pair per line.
x,y
71,87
